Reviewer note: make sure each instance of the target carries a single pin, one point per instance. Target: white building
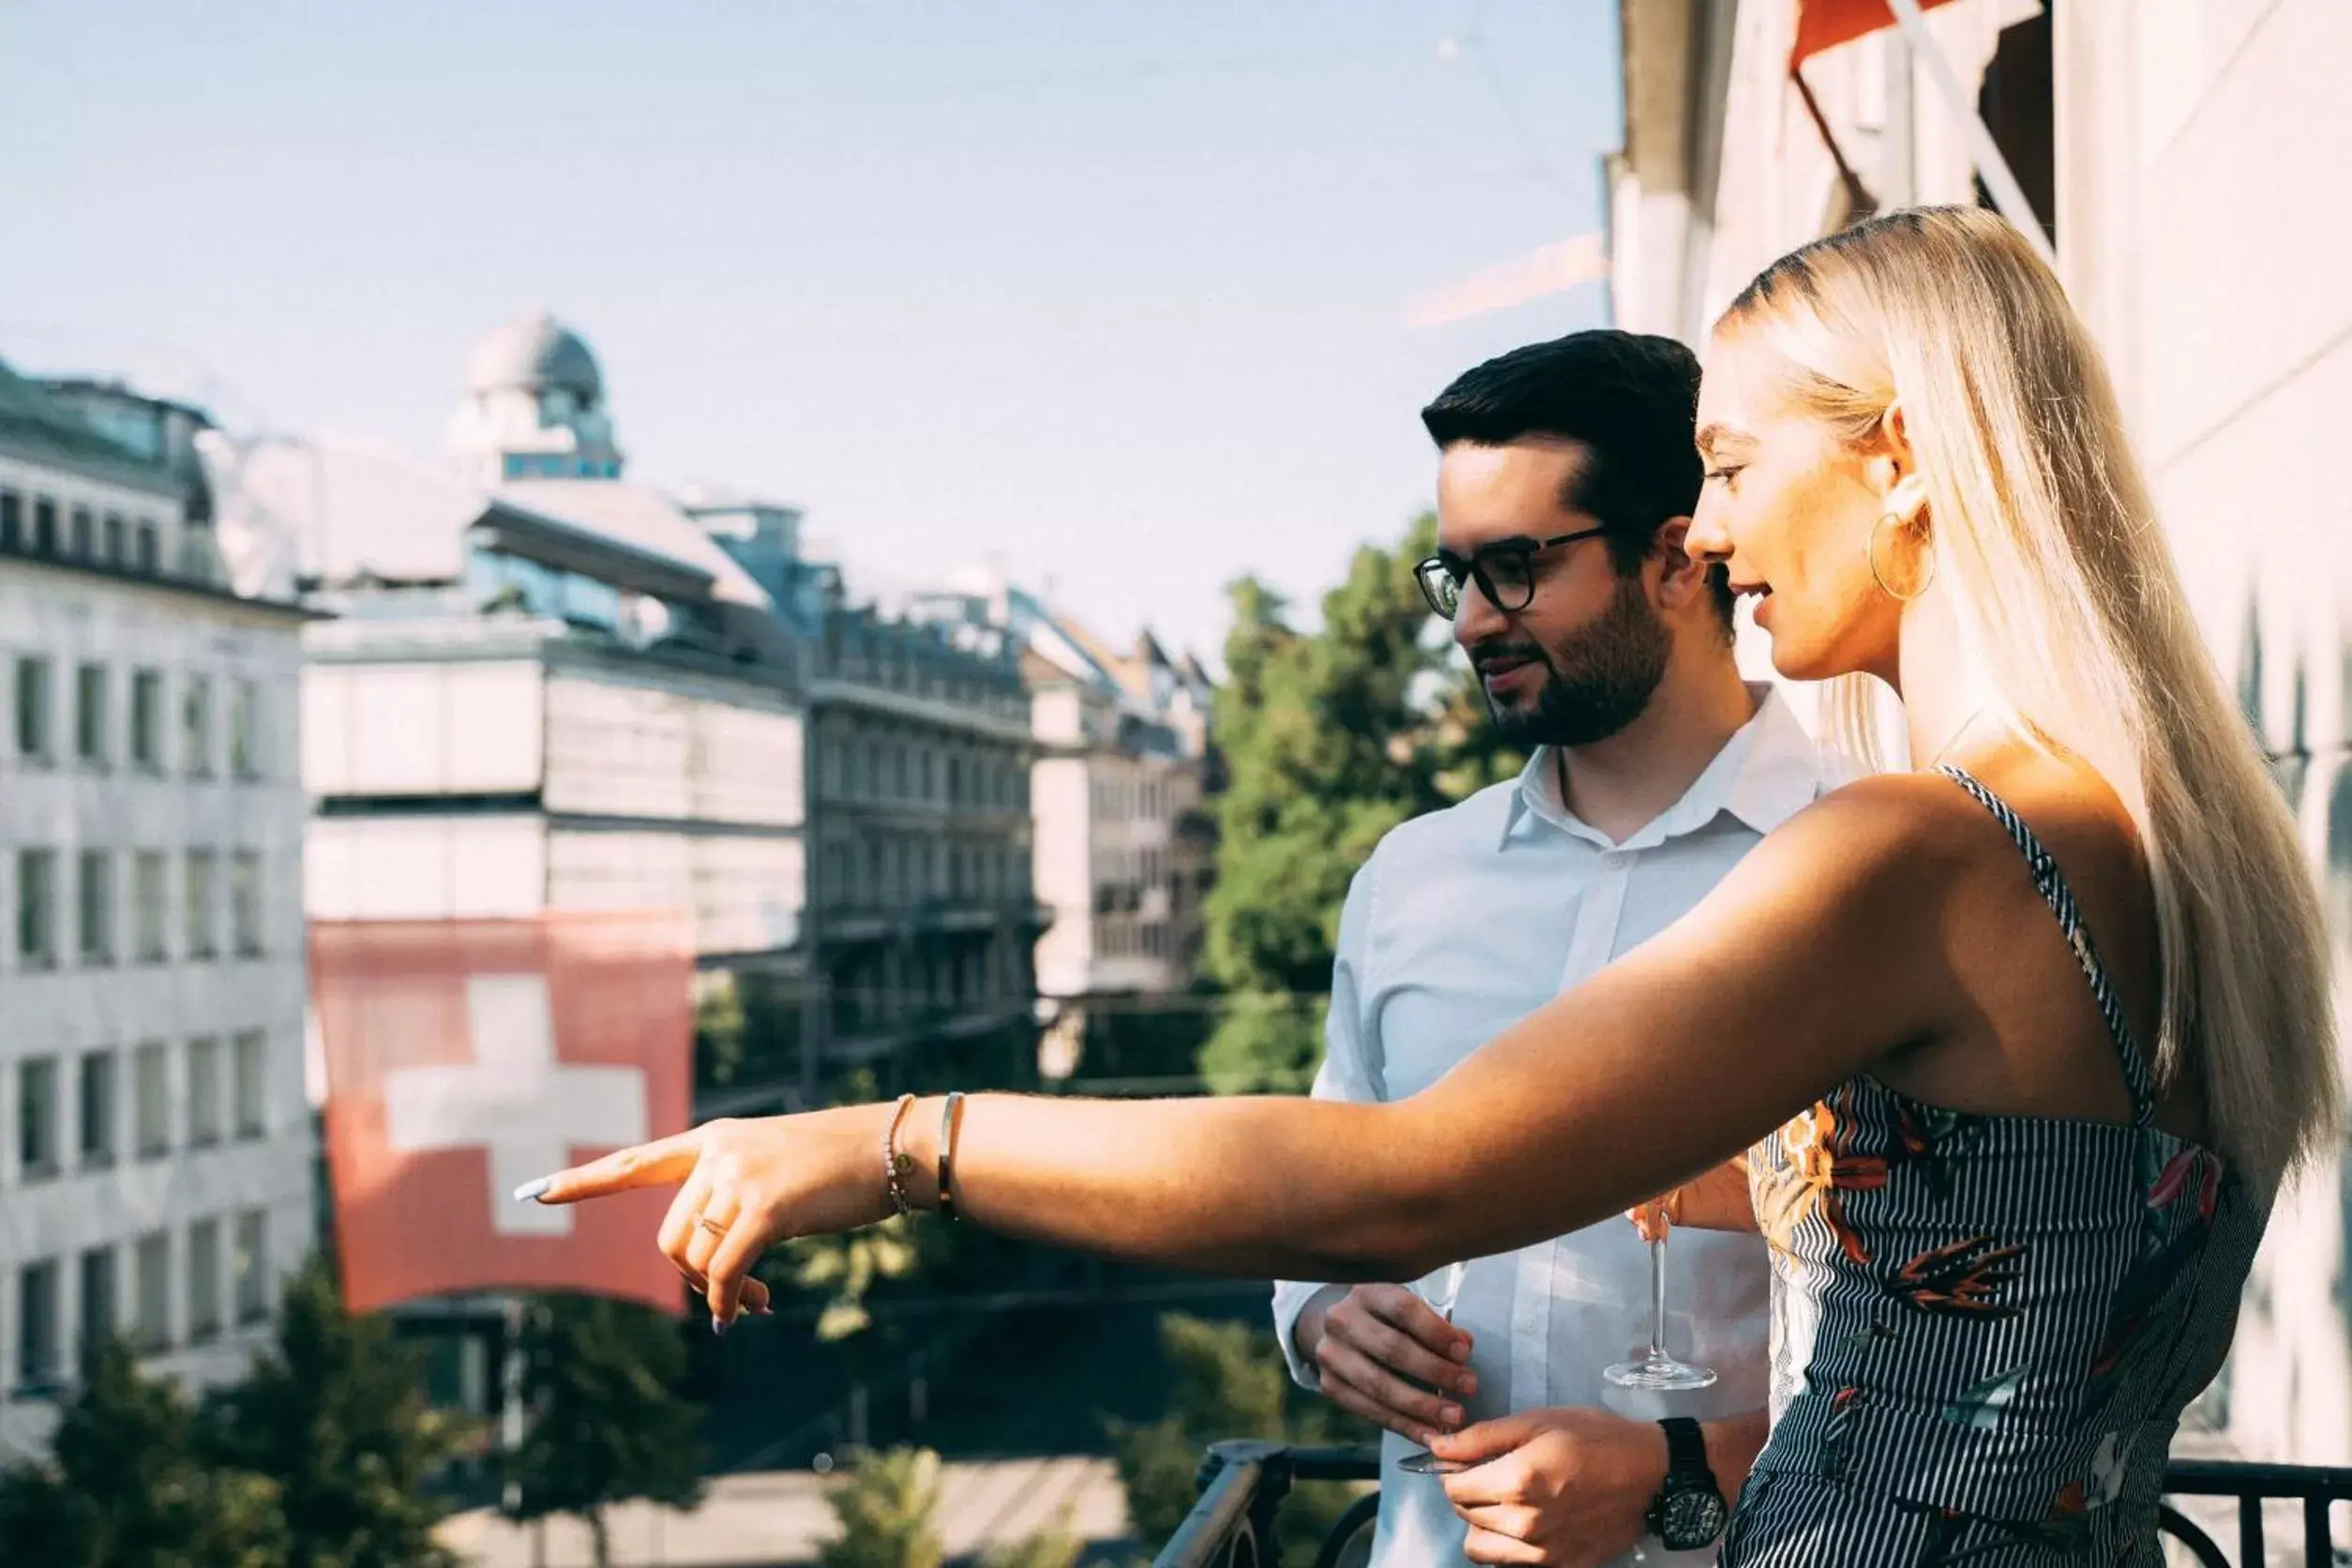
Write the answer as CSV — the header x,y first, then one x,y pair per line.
x,y
2181,153
1119,849
550,693
156,1153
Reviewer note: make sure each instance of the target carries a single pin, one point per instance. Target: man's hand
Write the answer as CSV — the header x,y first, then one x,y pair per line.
x,y
1566,1487
1381,1350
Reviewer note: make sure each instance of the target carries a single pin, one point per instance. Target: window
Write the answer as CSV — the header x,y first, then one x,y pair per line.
x,y
36,1150
44,525
98,1298
147,720
149,554
89,714
203,1092
37,908
898,770
83,532
250,1062
37,1364
95,893
204,1281
32,709
97,1109
928,793
11,520
244,902
249,1269
114,546
196,727
151,1092
151,1266
202,865
245,739
150,907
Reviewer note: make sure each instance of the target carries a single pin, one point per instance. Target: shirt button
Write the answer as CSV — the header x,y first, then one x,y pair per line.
x,y
1615,860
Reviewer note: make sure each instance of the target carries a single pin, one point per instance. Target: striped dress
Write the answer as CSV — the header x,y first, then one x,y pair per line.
x,y
1984,1328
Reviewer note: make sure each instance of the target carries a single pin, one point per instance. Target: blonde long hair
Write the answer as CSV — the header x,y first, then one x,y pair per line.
x,y
2071,613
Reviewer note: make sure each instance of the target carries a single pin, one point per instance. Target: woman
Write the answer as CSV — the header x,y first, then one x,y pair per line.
x,y
2024,1040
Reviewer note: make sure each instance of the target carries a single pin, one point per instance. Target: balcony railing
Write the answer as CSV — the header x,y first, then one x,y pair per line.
x,y
1243,1486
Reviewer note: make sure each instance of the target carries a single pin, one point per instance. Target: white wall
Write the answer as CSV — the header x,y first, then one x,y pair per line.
x,y
423,728
2205,213
74,1009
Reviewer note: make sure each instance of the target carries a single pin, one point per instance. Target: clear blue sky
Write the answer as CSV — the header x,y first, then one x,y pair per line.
x,y
1117,291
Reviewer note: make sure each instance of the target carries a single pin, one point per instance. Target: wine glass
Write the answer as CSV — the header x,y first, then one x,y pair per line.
x,y
1656,1369
1420,1461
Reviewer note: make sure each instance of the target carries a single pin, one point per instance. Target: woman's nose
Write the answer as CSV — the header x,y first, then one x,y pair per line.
x,y
1708,541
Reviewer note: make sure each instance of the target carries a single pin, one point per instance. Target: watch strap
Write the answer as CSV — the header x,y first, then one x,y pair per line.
x,y
1686,1450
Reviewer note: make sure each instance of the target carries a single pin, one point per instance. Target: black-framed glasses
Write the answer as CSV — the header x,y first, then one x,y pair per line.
x,y
1504,572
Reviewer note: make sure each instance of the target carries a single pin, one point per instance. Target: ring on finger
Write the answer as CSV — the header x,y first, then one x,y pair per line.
x,y
706,1222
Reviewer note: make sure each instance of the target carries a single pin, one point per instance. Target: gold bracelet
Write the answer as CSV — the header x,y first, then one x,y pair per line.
x,y
947,1154
897,1165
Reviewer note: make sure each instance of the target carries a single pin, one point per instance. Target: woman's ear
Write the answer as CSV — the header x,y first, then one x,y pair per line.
x,y
1892,468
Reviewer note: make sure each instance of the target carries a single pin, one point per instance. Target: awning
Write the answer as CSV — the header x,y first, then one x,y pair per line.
x,y
1826,23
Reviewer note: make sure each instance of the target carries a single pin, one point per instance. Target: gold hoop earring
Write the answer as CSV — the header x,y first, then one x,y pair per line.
x,y
1870,554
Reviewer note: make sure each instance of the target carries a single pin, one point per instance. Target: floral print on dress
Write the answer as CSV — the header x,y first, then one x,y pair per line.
x,y
1820,1170
1982,1349
1962,1279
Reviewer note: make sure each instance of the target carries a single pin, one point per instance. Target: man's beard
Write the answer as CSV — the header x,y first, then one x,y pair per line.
x,y
1596,685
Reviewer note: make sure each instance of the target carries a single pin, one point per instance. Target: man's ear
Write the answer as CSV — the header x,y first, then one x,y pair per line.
x,y
1680,580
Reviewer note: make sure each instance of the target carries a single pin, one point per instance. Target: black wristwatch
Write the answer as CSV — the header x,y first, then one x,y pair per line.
x,y
1689,1511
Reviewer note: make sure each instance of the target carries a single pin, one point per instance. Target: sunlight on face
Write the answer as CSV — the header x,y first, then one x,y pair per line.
x,y
1788,508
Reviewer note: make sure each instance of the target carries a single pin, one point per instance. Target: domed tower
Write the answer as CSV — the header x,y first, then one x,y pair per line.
x,y
533,408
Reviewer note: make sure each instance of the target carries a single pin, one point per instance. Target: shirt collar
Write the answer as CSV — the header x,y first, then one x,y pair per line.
x,y
1766,772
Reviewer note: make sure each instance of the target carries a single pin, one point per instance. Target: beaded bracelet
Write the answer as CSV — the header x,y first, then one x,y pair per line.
x,y
897,1165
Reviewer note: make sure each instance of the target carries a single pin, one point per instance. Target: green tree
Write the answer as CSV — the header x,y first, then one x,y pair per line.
x,y
887,1507
1329,740
605,1421
1057,1545
128,1484
334,1411
1230,1383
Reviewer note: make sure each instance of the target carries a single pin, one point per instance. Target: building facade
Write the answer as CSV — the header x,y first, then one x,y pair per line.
x,y
545,692
1121,849
2176,155
921,910
156,1153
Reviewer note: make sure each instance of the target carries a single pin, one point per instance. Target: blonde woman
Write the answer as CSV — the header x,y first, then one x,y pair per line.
x,y
2021,1041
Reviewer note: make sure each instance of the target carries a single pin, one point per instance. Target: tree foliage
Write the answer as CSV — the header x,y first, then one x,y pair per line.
x,y
335,1412
887,1508
127,1483
605,1421
320,1458
1330,739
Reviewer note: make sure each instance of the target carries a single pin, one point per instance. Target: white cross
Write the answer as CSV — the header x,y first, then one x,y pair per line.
x,y
516,1100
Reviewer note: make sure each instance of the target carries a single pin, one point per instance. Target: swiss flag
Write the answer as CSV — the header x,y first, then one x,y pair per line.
x,y
1826,23
465,1057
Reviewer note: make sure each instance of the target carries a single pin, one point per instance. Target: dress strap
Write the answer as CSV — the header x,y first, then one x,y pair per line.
x,y
2061,901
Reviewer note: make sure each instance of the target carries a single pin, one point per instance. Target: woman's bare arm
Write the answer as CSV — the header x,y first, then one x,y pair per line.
x,y
1821,954
1716,1200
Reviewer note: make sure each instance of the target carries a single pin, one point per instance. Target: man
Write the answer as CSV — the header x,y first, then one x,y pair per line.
x,y
1565,483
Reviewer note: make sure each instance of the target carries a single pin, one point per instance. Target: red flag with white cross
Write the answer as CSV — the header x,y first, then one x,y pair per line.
x,y
465,1057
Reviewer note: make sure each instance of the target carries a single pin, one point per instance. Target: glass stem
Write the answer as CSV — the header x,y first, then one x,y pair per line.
x,y
1657,1299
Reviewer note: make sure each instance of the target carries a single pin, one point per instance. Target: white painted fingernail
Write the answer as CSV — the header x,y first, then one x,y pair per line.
x,y
533,1189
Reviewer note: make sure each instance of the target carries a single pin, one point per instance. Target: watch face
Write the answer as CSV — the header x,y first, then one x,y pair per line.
x,y
1688,1520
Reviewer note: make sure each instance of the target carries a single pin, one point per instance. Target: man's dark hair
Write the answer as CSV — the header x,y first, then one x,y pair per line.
x,y
1629,399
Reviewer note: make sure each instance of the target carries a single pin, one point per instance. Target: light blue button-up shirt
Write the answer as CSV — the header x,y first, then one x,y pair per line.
x,y
1462,923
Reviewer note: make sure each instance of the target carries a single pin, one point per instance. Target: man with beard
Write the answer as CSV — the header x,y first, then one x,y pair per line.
x,y
1566,480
